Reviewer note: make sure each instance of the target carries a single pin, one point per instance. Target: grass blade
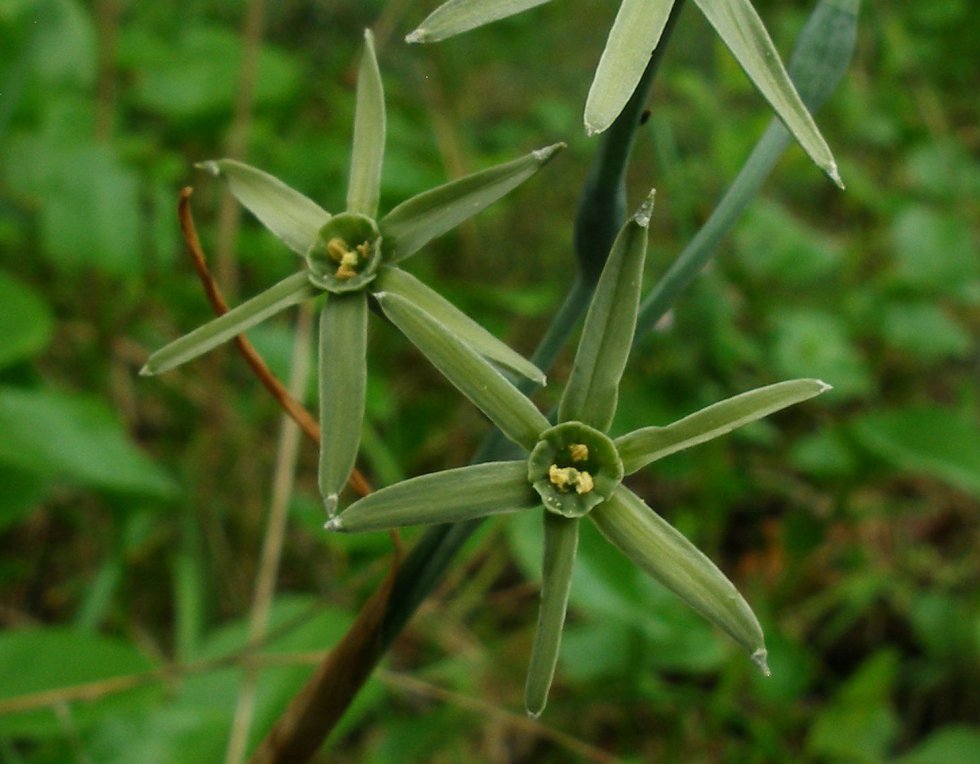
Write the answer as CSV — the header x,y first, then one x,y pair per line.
x,y
458,16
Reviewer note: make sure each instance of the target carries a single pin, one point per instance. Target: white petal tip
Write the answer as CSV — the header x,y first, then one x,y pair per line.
x,y
759,659
643,214
334,524
330,504
419,35
545,154
824,387
834,174
534,714
146,371
210,166
591,130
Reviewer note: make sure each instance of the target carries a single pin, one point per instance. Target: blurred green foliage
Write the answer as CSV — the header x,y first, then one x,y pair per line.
x,y
131,512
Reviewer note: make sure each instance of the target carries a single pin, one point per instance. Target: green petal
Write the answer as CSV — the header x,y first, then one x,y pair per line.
x,y
486,387
414,223
462,15
289,291
633,37
641,447
450,496
343,375
593,386
660,550
560,546
286,212
741,29
369,135
397,281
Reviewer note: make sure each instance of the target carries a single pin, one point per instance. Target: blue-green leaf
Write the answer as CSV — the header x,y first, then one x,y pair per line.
x,y
343,380
369,135
496,397
289,291
644,446
659,549
634,36
450,496
560,546
283,210
415,222
458,16
397,281
593,386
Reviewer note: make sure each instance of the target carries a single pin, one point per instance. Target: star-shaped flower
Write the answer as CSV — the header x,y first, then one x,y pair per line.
x,y
574,468
352,258
635,34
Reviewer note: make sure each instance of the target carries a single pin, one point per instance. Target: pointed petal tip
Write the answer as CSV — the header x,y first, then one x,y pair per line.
x,y
644,213
334,524
545,154
824,387
534,714
330,504
146,371
368,36
834,175
418,36
759,659
209,166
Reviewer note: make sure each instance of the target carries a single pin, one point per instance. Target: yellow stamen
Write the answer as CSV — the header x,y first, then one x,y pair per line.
x,y
347,265
566,478
579,452
337,248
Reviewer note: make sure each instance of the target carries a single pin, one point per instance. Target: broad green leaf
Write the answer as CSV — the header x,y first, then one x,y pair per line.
x,y
951,743
926,440
593,386
458,16
75,438
644,446
442,497
23,492
660,549
284,211
397,281
25,321
415,222
289,291
741,29
343,380
496,397
634,36
560,546
368,151
38,660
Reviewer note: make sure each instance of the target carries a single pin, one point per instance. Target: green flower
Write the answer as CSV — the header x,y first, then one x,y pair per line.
x,y
575,469
635,34
351,257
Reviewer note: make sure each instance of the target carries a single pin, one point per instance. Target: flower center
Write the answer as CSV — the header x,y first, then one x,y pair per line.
x,y
574,468
346,255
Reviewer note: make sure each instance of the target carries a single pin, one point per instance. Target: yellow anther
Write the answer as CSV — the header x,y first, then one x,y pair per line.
x,y
364,249
566,478
348,263
579,452
337,248
585,483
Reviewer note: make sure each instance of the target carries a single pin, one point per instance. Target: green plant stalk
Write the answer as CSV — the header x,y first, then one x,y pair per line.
x,y
605,190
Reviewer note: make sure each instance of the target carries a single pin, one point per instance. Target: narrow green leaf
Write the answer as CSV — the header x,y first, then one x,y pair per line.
x,y
442,497
560,546
660,550
397,281
634,36
289,291
26,322
644,446
417,221
823,50
458,16
369,135
343,380
741,29
593,386
486,387
284,211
